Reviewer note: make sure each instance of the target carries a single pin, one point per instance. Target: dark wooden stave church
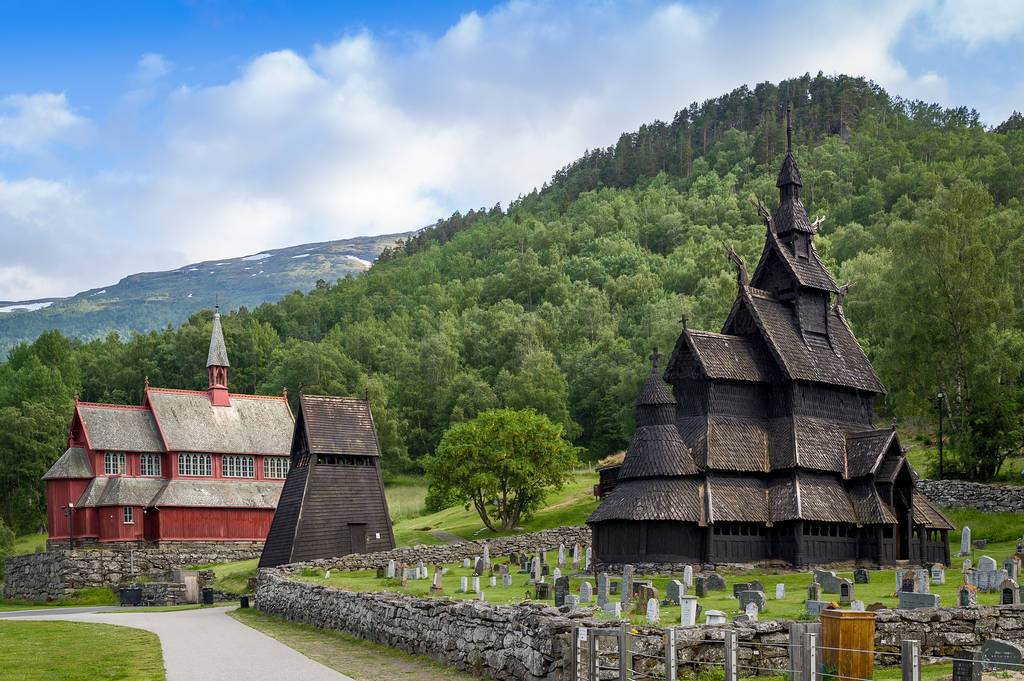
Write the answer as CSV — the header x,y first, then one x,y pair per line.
x,y
764,448
333,501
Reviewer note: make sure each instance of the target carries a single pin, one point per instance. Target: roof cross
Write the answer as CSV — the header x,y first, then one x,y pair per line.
x,y
655,356
682,320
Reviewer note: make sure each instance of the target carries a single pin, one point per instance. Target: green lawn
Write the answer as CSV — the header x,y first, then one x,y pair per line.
x,y
361,660
29,543
881,589
78,651
84,597
569,506
232,576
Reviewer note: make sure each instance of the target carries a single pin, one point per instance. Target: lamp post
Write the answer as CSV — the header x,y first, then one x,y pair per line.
x,y
937,401
69,511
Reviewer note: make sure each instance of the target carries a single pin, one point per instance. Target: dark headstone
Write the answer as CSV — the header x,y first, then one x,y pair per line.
x,y
876,606
999,654
738,587
714,582
861,576
700,587
756,585
980,543
381,572
542,591
912,601
544,569
966,666
615,587
909,582
751,596
561,591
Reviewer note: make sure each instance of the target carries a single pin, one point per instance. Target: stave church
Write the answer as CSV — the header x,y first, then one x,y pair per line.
x,y
757,444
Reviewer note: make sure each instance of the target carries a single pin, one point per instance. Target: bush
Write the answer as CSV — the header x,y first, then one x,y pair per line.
x,y
6,545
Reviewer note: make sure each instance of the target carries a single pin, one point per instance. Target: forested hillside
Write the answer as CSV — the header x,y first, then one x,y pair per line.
x,y
555,302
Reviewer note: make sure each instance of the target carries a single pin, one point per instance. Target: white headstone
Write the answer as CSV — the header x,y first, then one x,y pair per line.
x,y
494,581
688,609
557,573
487,556
391,569
506,580
688,576
752,611
586,592
588,554
715,617
965,541
577,555
476,584
479,595
780,592
464,584
561,554
466,563
966,566
857,606
612,609
327,575
653,611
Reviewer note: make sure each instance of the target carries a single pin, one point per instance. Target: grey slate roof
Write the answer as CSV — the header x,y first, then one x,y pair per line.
x,y
218,355
220,493
727,357
73,463
120,428
251,425
125,491
92,492
338,425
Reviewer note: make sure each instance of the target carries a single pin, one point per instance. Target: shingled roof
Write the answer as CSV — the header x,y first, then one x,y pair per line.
x,y
250,425
218,354
726,357
220,493
338,425
73,463
653,499
119,428
810,272
865,450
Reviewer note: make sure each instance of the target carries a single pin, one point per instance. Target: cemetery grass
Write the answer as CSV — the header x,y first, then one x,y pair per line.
x,y
571,505
81,598
234,576
882,587
362,660
78,651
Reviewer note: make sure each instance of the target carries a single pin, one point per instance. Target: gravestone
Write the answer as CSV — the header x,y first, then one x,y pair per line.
x,y
814,608
502,570
602,588
561,590
616,587
1010,565
535,570
913,601
967,665
999,654
715,617
476,584
479,595
923,581
612,609
966,566
561,555
738,587
522,559
487,557
557,573
506,579
586,592
493,581
673,590
404,575
545,570
780,592
542,591
758,597
543,556
814,591
965,542
1009,592
653,612
700,587
979,543
513,558
587,556
688,576
688,611
627,586
381,572
714,582
391,569
463,584
861,576
437,585
573,602
938,574
576,555
756,585
845,592
986,577
828,580
857,606
907,581
466,563
751,611
967,596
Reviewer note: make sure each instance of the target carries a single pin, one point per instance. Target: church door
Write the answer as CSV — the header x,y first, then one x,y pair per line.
x,y
357,537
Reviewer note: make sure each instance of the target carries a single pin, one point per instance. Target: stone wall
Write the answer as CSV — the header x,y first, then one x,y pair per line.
x,y
455,553
55,574
962,494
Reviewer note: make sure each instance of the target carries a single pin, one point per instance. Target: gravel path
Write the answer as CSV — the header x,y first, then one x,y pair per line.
x,y
207,645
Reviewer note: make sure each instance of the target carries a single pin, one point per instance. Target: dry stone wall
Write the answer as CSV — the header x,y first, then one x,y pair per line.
x,y
962,494
55,574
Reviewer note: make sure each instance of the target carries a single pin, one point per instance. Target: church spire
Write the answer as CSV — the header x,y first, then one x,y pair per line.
x,y
217,365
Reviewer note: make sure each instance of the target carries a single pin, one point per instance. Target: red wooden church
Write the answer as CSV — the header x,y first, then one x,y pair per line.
x,y
185,466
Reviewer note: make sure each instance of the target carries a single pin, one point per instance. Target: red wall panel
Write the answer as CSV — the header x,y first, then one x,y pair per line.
x,y
215,523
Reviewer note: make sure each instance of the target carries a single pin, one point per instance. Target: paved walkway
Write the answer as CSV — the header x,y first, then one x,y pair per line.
x,y
206,645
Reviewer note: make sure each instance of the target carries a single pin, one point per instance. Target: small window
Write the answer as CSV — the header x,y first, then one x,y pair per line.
x,y
276,466
129,515
238,466
113,463
196,465
149,464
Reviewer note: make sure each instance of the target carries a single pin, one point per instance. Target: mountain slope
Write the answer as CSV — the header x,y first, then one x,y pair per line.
x,y
152,300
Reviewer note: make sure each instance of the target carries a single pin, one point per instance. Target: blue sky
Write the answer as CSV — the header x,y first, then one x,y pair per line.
x,y
141,136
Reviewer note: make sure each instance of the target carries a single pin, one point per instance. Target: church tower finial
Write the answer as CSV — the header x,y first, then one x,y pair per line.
x,y
217,364
789,128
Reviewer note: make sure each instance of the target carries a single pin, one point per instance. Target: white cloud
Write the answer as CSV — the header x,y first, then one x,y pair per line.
x,y
30,122
152,66
975,21
366,135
